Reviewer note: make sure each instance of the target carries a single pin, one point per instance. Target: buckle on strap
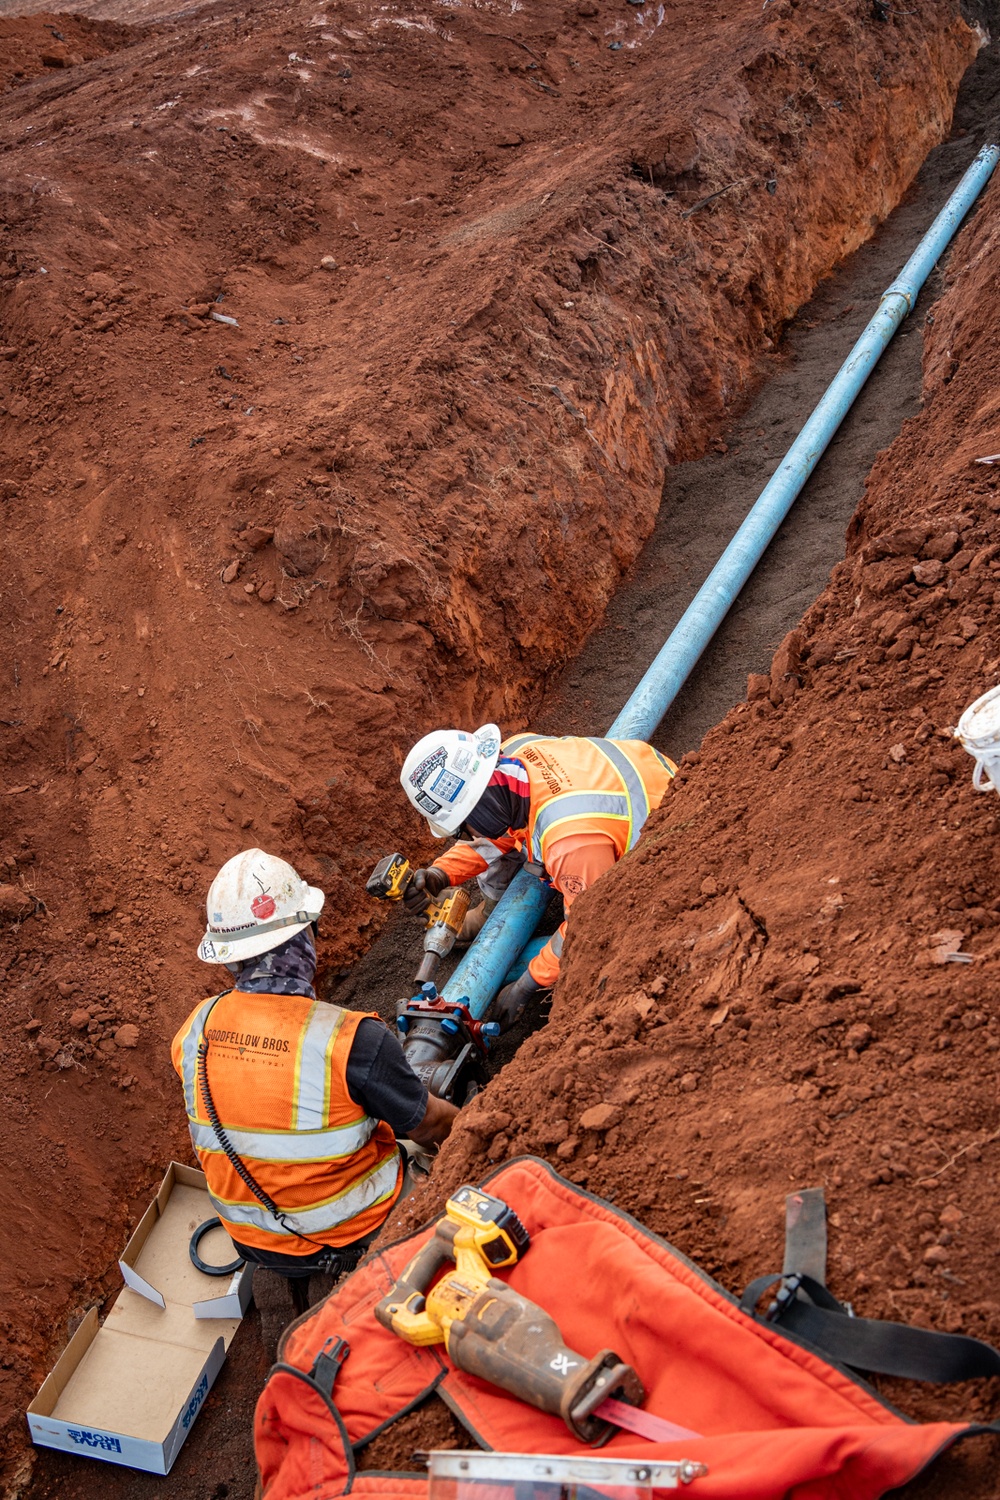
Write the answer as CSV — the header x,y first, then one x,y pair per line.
x,y
327,1364
786,1294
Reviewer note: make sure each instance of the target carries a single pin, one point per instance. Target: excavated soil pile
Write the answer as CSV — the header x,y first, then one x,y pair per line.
x,y
807,991
342,355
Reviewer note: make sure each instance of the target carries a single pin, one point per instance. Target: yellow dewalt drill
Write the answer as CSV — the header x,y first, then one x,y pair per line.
x,y
492,1331
389,880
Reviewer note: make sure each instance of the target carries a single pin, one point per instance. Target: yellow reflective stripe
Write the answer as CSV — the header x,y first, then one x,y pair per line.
x,y
575,805
311,1078
189,1055
635,787
366,1192
286,1146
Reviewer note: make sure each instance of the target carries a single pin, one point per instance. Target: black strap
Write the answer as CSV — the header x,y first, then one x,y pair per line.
x,y
805,1234
327,1364
867,1343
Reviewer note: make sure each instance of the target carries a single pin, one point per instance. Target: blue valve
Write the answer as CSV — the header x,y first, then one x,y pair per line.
x,y
429,991
403,1024
490,1029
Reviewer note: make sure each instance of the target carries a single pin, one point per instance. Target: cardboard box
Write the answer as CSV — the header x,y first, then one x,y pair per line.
x,y
127,1391
156,1263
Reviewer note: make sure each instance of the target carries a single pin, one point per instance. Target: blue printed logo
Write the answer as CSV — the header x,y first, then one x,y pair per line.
x,y
447,786
194,1405
101,1440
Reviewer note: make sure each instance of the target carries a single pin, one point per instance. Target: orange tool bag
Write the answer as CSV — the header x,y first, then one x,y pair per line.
x,y
779,1417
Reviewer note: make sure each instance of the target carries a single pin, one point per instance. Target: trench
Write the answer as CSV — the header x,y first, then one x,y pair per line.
x,y
217,1463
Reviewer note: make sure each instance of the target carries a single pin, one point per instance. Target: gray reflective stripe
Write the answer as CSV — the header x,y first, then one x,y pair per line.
x,y
371,1190
284,1145
556,943
576,805
189,1056
512,746
312,1066
635,787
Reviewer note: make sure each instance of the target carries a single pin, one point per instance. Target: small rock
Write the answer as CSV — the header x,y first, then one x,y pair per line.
x,y
566,1149
90,941
47,1046
256,537
8,353
328,263
834,987
689,1083
789,992
709,887
758,686
897,753
935,1255
858,1037
950,1216
658,987
101,901
266,592
107,1044
32,1025
127,1035
114,938
230,571
80,1020
929,573
14,902
773,758
941,547
599,1117
200,309
498,1147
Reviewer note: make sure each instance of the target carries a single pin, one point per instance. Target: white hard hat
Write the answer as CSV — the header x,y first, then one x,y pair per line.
x,y
256,903
447,772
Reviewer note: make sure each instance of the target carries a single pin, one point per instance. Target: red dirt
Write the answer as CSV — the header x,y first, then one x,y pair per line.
x,y
244,564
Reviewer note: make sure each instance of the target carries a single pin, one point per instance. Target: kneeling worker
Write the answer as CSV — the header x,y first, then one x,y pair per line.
x,y
292,1103
575,806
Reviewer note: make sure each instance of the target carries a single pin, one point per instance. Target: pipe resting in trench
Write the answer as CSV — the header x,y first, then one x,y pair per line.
x,y
480,974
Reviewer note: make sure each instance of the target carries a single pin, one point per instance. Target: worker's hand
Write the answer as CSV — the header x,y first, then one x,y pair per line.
x,y
512,999
423,887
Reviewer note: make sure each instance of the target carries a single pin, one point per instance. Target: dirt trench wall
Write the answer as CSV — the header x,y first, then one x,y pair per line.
x,y
482,293
788,1009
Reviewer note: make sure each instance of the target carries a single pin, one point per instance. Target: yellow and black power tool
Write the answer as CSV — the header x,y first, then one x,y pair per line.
x,y
492,1331
389,881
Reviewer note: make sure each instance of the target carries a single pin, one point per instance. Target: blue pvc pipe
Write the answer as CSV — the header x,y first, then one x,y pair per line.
x,y
506,932
677,659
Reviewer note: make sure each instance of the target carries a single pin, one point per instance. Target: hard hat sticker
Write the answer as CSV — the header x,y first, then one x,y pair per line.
x,y
488,745
461,760
263,906
427,804
447,786
430,763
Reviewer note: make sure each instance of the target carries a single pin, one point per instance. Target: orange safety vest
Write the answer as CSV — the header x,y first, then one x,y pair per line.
x,y
779,1421
584,785
277,1072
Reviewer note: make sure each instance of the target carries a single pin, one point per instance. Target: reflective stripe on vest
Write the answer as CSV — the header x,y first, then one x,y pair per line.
x,y
279,1145
512,746
556,943
633,807
375,1188
189,1056
312,1068
575,805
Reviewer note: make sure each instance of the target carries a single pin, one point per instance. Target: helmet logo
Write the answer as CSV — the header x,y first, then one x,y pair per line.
x,y
488,745
447,785
263,905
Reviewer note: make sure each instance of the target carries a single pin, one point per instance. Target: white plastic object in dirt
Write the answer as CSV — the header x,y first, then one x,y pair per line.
x,y
979,731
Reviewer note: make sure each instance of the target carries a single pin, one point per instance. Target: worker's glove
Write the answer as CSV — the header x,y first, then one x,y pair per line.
x,y
512,999
423,887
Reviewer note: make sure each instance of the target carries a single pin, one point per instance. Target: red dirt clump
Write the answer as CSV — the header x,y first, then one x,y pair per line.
x,y
786,1010
485,286
32,45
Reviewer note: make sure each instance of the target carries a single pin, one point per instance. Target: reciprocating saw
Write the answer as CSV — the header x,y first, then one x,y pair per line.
x,y
492,1331
389,882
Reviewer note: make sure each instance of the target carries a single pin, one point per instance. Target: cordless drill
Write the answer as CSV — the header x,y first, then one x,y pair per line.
x,y
492,1331
389,882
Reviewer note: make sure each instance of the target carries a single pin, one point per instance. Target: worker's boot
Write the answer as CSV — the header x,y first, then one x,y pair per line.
x,y
473,924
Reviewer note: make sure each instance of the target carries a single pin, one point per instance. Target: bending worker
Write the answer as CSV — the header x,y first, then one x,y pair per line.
x,y
572,806
293,1103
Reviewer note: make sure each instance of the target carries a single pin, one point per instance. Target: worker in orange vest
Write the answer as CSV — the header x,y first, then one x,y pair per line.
x,y
294,1105
571,806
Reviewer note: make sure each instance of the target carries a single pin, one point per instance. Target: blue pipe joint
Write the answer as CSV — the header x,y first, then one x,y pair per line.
x,y
506,930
